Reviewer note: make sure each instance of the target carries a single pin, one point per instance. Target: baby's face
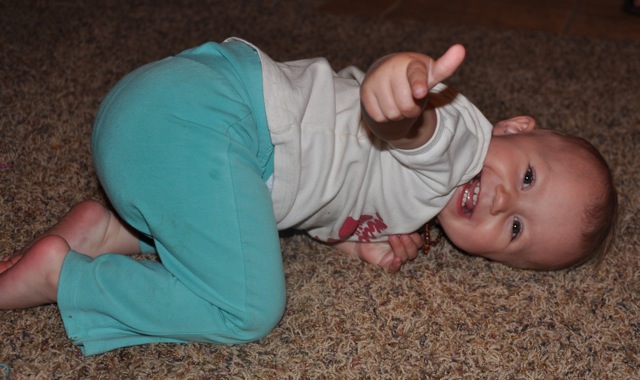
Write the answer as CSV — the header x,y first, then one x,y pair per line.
x,y
525,209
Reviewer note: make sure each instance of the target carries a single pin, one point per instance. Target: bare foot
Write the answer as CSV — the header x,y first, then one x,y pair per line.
x,y
92,229
31,278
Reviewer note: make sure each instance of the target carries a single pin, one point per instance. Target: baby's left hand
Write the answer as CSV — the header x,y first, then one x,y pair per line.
x,y
389,255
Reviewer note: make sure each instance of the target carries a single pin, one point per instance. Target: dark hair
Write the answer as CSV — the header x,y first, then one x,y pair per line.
x,y
601,215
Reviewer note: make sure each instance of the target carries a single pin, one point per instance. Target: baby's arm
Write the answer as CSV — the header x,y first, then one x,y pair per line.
x,y
394,95
389,255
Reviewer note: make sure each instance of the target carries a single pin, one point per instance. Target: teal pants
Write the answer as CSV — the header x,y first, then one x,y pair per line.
x,y
182,150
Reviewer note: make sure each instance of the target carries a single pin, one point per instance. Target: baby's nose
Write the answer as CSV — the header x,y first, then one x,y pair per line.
x,y
501,200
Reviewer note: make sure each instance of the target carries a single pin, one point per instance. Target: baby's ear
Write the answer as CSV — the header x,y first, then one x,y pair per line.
x,y
516,124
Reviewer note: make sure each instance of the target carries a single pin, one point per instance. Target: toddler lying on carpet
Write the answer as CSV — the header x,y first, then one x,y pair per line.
x,y
206,155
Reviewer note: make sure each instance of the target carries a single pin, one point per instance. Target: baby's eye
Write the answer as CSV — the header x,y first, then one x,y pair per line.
x,y
529,177
516,228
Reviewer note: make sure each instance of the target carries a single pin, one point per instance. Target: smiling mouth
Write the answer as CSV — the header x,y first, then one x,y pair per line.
x,y
470,195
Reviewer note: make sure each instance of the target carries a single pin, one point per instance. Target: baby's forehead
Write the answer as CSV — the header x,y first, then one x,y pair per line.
x,y
564,149
575,177
557,222
570,183
553,139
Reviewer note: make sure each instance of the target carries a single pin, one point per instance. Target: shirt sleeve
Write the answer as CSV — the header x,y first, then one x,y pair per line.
x,y
456,151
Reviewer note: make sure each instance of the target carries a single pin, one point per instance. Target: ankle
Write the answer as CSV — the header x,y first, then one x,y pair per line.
x,y
51,251
84,226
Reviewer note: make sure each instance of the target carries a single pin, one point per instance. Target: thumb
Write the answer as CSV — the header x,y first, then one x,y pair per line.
x,y
386,261
446,65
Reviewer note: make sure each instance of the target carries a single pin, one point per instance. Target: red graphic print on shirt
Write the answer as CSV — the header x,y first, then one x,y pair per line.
x,y
366,228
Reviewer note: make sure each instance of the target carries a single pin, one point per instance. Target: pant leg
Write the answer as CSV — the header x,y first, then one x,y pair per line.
x,y
175,147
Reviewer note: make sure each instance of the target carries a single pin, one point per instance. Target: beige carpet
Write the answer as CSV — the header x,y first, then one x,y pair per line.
x,y
445,315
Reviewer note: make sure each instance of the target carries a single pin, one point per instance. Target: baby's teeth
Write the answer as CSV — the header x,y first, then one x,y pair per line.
x,y
465,196
476,191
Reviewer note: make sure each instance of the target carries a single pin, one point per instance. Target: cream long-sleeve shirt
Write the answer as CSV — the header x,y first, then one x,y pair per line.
x,y
334,179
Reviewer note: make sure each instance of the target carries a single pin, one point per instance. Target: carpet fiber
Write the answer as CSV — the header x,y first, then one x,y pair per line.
x,y
445,315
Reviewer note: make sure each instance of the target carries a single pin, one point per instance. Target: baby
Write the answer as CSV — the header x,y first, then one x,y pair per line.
x,y
543,200
206,155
